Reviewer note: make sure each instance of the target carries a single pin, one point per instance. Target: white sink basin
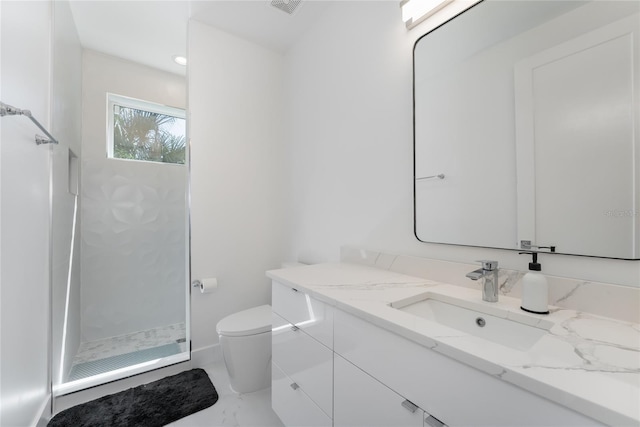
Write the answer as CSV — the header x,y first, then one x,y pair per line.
x,y
473,319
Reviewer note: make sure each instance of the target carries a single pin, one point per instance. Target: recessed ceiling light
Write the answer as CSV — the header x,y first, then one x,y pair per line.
x,y
180,60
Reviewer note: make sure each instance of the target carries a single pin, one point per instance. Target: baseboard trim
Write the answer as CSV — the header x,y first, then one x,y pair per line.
x,y
205,355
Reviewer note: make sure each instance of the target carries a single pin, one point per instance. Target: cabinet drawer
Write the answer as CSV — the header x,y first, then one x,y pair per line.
x,y
449,390
292,405
362,401
313,316
305,361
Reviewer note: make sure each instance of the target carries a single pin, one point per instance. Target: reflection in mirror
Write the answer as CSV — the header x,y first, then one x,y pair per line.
x,y
533,121
119,207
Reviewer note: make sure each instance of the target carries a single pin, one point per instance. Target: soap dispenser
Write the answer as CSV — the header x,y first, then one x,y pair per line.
x,y
535,290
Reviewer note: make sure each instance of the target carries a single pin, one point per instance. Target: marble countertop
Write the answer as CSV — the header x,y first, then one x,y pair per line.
x,y
585,362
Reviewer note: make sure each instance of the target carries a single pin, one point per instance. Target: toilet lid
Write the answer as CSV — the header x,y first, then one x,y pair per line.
x,y
253,321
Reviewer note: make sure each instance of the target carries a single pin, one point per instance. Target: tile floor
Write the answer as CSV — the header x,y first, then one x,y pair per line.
x,y
232,409
129,343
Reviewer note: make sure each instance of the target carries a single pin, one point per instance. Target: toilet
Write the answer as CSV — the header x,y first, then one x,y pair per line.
x,y
245,339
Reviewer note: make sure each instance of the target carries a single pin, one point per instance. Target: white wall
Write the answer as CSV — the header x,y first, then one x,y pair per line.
x,y
349,99
133,213
349,106
24,227
239,207
66,127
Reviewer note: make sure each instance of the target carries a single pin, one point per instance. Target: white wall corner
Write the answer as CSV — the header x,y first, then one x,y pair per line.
x,y
44,414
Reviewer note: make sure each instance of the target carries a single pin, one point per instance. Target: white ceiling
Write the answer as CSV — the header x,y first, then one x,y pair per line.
x,y
258,21
150,32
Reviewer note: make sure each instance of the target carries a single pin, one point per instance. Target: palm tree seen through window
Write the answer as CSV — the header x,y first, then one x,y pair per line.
x,y
140,134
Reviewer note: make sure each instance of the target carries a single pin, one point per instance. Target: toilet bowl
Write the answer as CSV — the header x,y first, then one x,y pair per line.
x,y
245,339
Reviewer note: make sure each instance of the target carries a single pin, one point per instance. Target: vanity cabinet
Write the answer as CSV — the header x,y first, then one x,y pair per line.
x,y
362,401
292,405
450,391
302,358
312,316
331,368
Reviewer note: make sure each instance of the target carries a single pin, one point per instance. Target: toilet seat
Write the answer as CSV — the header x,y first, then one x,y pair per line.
x,y
253,321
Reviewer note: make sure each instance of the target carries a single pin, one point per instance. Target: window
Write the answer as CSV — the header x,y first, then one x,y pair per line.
x,y
141,130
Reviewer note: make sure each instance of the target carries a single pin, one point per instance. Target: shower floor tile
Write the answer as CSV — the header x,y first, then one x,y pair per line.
x,y
108,364
142,340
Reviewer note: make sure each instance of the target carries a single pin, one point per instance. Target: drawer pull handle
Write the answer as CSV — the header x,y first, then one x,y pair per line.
x,y
433,421
294,328
294,289
295,386
410,406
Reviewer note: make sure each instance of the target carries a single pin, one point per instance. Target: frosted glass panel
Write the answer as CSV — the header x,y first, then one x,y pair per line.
x,y
133,247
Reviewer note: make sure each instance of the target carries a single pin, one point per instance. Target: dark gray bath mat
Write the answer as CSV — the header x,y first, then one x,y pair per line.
x,y
155,404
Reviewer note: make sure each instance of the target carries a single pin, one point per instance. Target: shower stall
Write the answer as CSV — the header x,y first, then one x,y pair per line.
x,y
119,214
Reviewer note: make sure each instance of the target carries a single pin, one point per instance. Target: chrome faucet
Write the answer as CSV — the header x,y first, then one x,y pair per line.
x,y
489,275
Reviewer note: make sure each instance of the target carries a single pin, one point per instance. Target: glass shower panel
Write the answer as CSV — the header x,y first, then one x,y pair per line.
x,y
120,282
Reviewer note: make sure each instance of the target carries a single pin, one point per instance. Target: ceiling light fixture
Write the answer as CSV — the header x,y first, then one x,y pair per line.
x,y
416,11
179,59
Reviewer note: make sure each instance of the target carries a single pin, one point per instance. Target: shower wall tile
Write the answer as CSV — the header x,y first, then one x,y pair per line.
x,y
133,246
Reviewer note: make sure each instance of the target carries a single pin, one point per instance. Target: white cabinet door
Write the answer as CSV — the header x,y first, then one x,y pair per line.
x,y
304,360
312,316
453,392
291,403
361,400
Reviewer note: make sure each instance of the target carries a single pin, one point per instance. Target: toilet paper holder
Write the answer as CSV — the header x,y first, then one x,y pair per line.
x,y
206,285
